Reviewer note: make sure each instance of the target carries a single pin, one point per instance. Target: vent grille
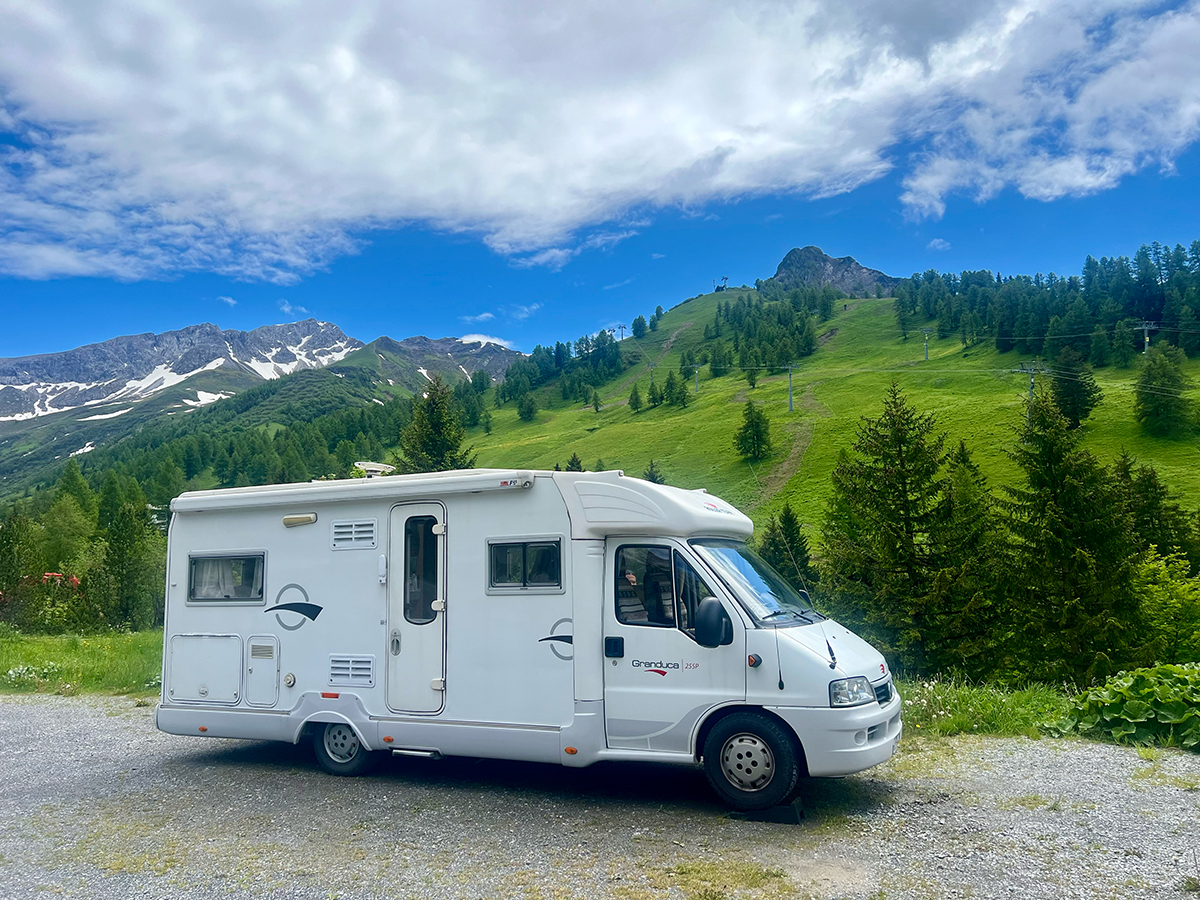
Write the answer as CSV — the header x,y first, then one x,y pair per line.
x,y
354,535
262,651
883,692
352,671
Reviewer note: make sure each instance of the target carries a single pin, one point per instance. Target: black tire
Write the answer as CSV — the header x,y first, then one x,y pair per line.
x,y
751,761
339,750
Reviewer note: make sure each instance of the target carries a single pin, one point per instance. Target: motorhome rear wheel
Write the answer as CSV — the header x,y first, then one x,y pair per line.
x,y
340,752
750,761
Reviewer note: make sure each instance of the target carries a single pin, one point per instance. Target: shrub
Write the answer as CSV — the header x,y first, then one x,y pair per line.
x,y
1157,704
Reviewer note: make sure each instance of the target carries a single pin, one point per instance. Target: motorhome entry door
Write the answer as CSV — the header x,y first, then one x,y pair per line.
x,y
416,652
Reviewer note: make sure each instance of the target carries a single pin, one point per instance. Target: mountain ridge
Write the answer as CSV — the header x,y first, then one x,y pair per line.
x,y
812,267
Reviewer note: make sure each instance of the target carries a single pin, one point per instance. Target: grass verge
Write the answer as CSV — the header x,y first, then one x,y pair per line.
x,y
953,706
107,663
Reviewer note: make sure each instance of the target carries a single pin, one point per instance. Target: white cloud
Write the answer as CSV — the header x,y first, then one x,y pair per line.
x,y
482,317
657,255
938,244
289,310
619,284
228,301
485,339
524,312
256,141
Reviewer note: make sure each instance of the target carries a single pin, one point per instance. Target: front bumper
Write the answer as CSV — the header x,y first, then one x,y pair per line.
x,y
844,741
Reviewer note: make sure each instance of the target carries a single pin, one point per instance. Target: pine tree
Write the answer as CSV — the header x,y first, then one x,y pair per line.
x,y
635,398
1122,345
71,483
884,528
1075,616
574,464
432,441
655,395
639,327
751,376
596,405
753,439
654,474
1074,389
784,546
1159,404
527,408
1101,349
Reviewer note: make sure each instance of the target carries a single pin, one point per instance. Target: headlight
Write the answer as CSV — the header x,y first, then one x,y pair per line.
x,y
851,692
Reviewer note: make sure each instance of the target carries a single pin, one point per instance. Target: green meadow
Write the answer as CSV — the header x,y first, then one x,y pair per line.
x,y
974,394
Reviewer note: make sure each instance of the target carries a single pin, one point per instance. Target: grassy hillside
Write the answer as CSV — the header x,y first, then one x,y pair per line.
x,y
974,395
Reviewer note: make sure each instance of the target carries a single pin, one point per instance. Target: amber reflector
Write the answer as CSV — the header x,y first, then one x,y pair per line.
x,y
571,751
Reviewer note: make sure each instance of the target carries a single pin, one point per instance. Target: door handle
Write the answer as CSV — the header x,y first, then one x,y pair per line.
x,y
395,643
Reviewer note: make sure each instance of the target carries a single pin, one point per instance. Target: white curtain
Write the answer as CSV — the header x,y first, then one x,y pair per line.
x,y
213,579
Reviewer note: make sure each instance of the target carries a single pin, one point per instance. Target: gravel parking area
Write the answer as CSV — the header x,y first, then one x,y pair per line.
x,y
96,803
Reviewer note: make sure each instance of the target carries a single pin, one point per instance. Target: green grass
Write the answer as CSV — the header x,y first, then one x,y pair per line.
x,y
99,663
946,706
973,394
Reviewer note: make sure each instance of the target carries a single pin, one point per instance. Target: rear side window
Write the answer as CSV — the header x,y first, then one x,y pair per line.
x,y
220,579
525,564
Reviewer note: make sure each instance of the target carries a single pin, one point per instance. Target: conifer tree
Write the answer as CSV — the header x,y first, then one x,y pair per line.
x,y
753,439
1122,345
639,327
635,398
574,464
1159,404
1074,389
655,394
596,405
654,474
785,547
527,408
1101,349
432,441
72,483
1074,613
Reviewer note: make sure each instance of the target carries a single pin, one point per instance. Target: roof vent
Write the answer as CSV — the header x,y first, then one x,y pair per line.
x,y
373,468
352,671
357,534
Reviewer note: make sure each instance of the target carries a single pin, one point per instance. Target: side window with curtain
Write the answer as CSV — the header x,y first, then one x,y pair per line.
x,y
690,589
420,569
233,579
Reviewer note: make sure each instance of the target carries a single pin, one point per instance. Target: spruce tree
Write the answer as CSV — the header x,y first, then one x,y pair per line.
x,y
432,441
1074,614
639,327
527,408
71,483
1159,404
785,547
1074,389
655,394
596,405
635,398
654,474
1101,350
883,530
574,464
753,439
1122,345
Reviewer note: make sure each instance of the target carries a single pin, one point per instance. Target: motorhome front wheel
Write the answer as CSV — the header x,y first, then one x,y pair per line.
x,y
339,750
750,761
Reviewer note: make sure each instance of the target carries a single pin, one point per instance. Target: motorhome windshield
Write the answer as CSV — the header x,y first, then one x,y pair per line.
x,y
760,589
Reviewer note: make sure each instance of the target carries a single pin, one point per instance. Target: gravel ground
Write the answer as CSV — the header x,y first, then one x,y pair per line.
x,y
99,804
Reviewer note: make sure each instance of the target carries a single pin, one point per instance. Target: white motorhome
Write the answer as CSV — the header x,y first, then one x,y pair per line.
x,y
557,617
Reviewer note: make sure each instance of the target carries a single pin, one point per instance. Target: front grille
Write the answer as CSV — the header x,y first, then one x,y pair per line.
x,y
883,692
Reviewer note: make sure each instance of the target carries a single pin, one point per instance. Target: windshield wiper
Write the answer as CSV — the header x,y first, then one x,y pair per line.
x,y
787,612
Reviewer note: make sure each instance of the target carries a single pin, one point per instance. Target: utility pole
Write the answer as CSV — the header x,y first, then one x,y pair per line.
x,y
926,332
697,371
651,366
1146,326
790,389
1032,369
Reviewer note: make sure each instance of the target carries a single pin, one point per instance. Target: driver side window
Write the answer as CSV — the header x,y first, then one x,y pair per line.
x,y
657,586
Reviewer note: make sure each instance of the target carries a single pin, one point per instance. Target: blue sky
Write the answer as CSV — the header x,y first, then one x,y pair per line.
x,y
532,179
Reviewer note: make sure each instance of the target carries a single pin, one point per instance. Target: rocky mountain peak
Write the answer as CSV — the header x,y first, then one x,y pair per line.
x,y
812,267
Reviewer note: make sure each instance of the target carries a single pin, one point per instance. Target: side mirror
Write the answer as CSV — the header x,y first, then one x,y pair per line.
x,y
714,628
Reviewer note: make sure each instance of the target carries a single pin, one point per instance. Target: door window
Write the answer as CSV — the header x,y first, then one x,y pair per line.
x,y
645,594
690,589
420,569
